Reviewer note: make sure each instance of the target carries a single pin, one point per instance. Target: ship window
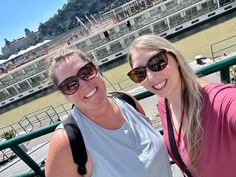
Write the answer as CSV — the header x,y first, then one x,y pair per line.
x,y
129,39
18,75
229,7
123,27
82,46
155,12
36,80
208,6
170,5
12,91
160,27
31,70
90,56
101,53
112,33
45,74
115,46
191,13
106,34
128,24
139,19
224,2
195,21
3,95
211,14
22,86
144,31
96,39
7,81
175,20
41,65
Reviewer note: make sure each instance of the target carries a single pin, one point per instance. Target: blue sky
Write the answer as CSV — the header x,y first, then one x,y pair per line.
x,y
16,15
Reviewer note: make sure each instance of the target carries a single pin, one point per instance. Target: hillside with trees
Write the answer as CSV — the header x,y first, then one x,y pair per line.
x,y
65,18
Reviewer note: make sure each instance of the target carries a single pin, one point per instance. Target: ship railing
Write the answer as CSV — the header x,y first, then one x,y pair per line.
x,y
222,47
37,119
222,66
225,2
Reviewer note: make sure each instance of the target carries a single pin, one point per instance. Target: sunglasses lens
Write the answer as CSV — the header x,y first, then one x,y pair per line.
x,y
138,74
71,84
87,72
158,62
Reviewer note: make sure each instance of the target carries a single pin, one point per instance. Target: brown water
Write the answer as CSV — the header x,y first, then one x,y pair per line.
x,y
190,46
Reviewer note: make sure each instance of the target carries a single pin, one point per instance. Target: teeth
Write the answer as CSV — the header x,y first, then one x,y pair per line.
x,y
91,93
160,85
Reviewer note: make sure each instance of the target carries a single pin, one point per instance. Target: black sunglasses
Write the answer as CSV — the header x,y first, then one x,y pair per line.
x,y
156,63
71,84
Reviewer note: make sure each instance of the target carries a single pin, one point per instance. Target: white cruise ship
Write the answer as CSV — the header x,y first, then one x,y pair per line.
x,y
108,38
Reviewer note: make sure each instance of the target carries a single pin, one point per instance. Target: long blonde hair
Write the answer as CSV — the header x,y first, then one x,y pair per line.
x,y
190,90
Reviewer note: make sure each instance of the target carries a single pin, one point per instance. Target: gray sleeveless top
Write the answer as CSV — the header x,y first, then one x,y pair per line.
x,y
134,150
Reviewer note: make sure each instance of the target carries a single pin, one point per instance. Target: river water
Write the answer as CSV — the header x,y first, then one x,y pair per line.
x,y
191,43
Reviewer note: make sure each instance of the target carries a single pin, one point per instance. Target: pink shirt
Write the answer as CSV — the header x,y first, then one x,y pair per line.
x,y
218,151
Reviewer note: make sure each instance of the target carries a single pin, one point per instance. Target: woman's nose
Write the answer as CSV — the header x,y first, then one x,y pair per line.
x,y
82,82
150,75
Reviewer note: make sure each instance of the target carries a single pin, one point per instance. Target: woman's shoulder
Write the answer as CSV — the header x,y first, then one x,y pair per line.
x,y
60,157
220,96
59,140
218,89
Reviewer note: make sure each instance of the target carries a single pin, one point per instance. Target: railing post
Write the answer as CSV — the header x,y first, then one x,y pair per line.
x,y
28,160
212,53
224,75
119,86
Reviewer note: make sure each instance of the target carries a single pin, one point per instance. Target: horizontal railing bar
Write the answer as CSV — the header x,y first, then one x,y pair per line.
x,y
224,48
31,173
223,40
217,66
26,137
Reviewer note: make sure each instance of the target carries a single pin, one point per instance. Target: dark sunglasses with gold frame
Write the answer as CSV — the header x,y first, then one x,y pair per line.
x,y
156,63
71,84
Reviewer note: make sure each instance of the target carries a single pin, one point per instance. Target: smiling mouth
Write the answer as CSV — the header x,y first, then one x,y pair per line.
x,y
160,85
90,94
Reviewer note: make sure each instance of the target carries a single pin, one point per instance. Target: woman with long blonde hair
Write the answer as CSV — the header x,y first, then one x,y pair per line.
x,y
201,115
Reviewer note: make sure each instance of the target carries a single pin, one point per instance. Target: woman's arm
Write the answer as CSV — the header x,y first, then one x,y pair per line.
x,y
59,160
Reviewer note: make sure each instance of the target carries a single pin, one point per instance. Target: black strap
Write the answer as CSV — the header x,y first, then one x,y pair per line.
x,y
76,143
124,97
173,146
75,137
